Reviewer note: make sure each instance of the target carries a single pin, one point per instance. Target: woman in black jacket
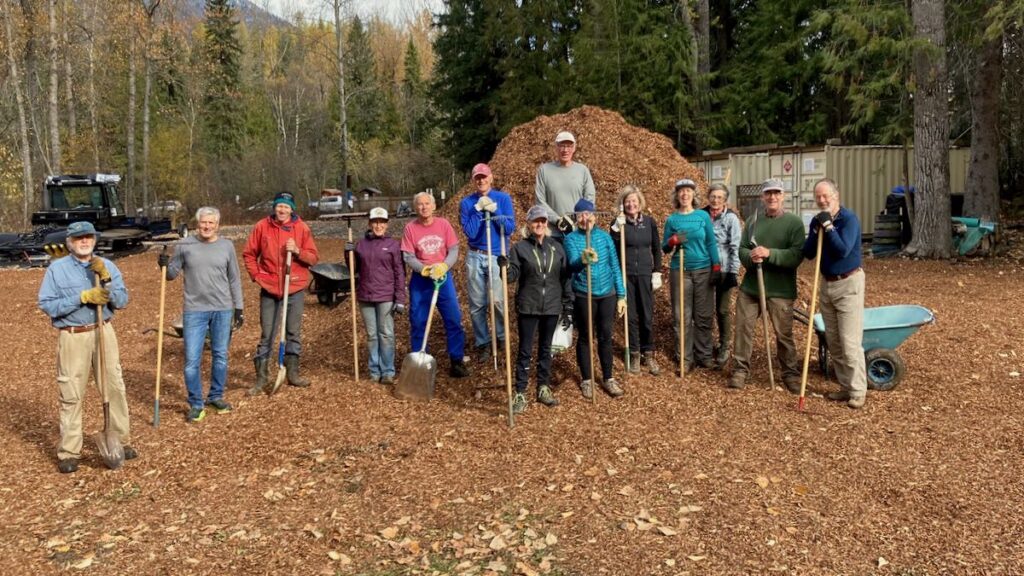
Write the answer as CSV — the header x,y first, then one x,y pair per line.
x,y
543,293
643,261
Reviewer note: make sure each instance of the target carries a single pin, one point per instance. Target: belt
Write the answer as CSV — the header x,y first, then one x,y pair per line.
x,y
478,251
843,276
80,329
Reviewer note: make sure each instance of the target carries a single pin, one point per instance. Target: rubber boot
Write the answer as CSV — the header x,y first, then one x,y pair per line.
x,y
291,364
261,375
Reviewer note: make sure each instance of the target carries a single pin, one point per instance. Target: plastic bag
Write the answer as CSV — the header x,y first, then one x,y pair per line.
x,y
656,280
562,338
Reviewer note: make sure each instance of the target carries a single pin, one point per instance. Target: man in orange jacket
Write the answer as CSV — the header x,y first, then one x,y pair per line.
x,y
271,239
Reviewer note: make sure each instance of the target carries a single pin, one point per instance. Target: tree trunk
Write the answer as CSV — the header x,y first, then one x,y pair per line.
x,y
982,194
26,150
55,156
129,197
342,102
69,93
147,85
932,228
703,30
93,113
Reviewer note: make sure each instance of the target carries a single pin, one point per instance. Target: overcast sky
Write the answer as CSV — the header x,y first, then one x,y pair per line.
x,y
395,10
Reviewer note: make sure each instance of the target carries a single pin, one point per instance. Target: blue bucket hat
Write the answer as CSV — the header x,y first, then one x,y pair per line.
x,y
285,198
79,229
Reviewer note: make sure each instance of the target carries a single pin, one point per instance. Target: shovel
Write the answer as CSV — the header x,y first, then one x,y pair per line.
x,y
108,442
810,324
160,345
419,369
763,303
281,371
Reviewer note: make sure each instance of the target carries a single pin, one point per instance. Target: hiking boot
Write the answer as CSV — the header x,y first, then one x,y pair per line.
x,y
130,453
546,397
738,380
722,359
856,402
261,375
291,365
483,353
388,380
375,378
519,403
195,415
652,365
793,385
587,388
612,387
220,405
458,369
706,363
634,362
67,465
839,396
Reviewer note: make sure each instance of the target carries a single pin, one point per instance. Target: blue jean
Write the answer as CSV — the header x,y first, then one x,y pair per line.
x,y
420,292
476,281
380,333
196,326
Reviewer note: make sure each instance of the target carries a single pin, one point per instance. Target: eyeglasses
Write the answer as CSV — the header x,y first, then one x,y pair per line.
x,y
772,193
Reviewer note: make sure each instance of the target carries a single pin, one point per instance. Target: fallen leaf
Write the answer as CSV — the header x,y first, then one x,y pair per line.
x,y
667,531
87,561
389,533
670,562
497,566
595,496
801,490
882,562
525,570
497,543
762,482
403,520
696,558
626,491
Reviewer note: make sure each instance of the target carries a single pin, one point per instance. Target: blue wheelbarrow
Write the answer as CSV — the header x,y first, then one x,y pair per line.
x,y
885,328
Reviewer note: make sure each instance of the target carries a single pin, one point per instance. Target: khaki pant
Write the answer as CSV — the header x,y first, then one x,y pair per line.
x,y
842,308
780,312
75,356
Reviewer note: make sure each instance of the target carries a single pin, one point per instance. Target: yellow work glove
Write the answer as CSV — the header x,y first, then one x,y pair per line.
x,y
100,268
589,256
620,307
56,250
437,271
426,271
96,296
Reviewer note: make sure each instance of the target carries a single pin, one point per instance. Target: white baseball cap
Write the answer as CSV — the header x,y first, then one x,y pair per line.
x,y
565,136
378,213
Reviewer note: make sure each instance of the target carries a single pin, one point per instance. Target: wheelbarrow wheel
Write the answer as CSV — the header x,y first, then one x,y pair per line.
x,y
885,368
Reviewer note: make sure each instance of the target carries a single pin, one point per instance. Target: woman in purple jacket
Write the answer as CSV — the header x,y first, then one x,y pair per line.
x,y
381,293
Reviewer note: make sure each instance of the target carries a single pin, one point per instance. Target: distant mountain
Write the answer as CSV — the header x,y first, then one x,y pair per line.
x,y
249,13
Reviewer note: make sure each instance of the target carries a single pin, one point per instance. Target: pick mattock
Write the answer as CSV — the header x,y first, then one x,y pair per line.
x,y
764,308
108,442
621,222
810,323
281,371
504,305
490,292
160,344
352,297
682,312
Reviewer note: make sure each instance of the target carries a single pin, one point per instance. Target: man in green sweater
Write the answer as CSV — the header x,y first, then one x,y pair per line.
x,y
774,240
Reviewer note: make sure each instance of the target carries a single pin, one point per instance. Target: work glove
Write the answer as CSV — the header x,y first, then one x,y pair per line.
x,y
162,260
729,280
589,256
398,309
100,269
438,271
677,239
239,319
485,204
716,275
620,308
350,246
619,223
567,318
824,220
96,296
502,261
56,250
655,280
426,271
565,224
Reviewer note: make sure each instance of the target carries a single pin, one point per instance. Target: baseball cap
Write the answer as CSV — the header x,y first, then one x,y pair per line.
x,y
565,136
772,184
481,169
686,183
78,229
378,213
536,213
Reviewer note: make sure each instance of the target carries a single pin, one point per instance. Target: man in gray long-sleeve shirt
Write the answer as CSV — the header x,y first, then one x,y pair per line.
x,y
561,183
213,305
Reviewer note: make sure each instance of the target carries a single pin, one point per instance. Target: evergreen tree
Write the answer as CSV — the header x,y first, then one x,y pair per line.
x,y
413,97
222,95
365,105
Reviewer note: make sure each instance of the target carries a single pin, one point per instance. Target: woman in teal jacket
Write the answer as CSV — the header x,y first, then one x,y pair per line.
x,y
691,231
608,295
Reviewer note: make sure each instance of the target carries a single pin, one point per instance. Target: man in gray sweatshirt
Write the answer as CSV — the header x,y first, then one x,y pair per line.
x,y
213,306
561,183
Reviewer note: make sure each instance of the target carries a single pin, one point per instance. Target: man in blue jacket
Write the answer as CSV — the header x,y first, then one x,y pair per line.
x,y
841,295
69,296
475,210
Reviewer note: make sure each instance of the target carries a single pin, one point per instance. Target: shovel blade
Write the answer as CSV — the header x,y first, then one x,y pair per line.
x,y
271,387
416,381
109,445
